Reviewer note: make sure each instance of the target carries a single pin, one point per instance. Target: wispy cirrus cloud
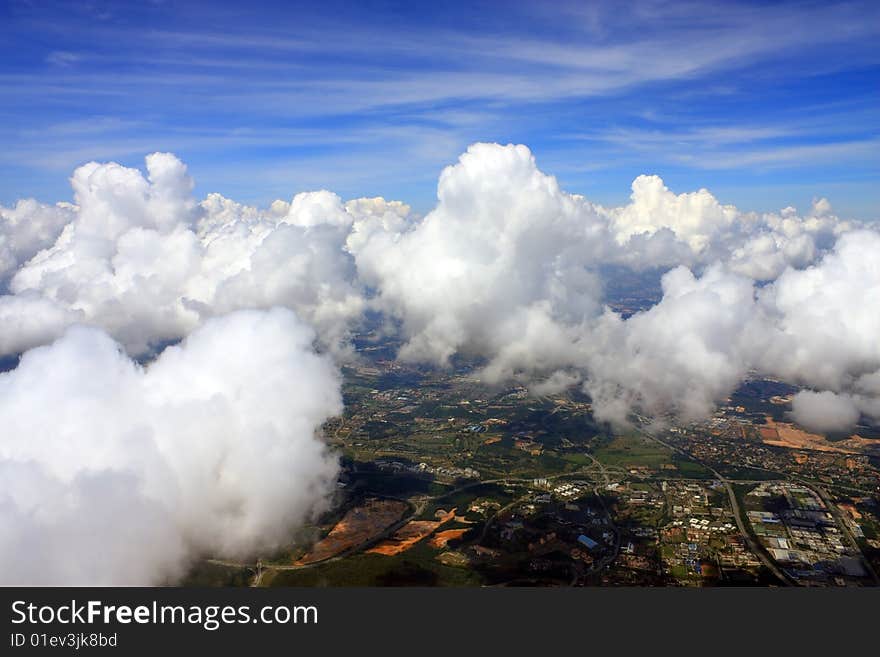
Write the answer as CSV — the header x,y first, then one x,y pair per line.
x,y
534,74
62,58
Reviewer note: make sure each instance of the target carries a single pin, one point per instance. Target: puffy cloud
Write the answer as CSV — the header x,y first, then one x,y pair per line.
x,y
824,411
296,257
143,260
866,395
496,269
773,242
823,327
557,382
826,319
118,474
375,215
661,228
28,320
26,229
694,218
679,357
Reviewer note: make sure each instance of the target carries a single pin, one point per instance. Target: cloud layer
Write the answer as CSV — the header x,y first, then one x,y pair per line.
x,y
507,268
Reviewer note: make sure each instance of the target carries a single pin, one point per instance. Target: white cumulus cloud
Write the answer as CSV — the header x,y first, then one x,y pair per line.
x,y
119,474
824,411
142,259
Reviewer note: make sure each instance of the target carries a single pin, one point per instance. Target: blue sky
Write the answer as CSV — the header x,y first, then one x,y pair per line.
x,y
765,104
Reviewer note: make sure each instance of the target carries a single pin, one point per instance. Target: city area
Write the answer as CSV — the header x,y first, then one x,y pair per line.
x,y
449,482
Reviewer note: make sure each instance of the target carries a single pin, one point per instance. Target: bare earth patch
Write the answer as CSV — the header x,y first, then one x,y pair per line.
x,y
441,539
410,534
783,434
358,526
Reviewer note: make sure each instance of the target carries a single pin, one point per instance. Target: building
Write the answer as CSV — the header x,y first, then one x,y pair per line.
x,y
588,542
